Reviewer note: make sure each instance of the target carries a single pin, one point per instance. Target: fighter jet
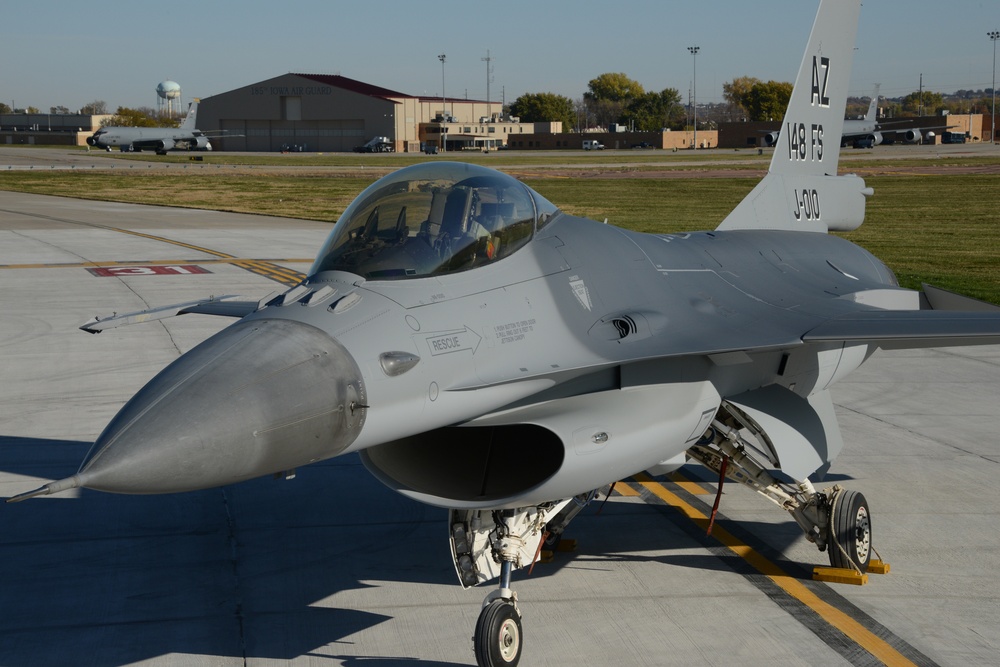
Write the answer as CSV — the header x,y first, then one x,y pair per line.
x,y
485,352
159,139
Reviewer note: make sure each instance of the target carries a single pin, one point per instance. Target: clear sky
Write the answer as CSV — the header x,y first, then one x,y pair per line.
x,y
68,53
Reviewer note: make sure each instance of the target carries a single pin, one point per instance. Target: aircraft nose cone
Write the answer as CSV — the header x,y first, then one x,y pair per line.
x,y
257,398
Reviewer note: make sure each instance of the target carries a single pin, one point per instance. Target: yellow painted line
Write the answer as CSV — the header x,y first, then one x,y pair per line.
x,y
623,489
172,242
259,267
272,271
155,262
694,488
836,618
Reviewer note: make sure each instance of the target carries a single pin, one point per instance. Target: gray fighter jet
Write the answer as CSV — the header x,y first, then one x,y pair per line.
x,y
487,353
158,139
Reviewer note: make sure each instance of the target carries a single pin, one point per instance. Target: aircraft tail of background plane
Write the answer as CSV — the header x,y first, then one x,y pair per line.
x,y
191,118
872,114
801,190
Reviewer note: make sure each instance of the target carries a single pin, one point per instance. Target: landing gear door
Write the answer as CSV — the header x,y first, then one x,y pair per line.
x,y
481,539
802,433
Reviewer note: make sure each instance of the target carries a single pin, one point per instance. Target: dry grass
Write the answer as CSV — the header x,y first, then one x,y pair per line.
x,y
941,229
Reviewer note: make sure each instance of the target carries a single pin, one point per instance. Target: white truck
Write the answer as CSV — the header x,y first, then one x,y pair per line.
x,y
592,145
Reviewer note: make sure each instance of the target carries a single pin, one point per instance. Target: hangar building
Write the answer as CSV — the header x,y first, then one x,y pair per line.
x,y
48,129
329,113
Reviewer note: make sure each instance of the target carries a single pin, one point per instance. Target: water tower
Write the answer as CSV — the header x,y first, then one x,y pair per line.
x,y
167,92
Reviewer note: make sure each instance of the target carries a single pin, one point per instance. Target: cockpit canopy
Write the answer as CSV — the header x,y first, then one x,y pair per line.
x,y
432,219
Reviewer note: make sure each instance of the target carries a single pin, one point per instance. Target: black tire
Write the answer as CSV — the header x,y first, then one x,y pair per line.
x,y
851,532
498,637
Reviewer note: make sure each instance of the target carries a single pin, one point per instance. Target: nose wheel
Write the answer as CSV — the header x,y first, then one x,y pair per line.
x,y
497,641
850,531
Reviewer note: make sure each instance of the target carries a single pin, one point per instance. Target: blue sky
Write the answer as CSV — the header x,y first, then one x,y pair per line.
x,y
119,50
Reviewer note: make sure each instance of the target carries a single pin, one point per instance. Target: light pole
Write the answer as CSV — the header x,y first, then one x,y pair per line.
x,y
694,86
444,108
488,59
994,36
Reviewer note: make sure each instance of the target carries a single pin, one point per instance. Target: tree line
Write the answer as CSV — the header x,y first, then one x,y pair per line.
x,y
614,98
123,116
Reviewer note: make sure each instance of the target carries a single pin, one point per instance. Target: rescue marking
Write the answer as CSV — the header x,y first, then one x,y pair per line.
x,y
454,341
514,332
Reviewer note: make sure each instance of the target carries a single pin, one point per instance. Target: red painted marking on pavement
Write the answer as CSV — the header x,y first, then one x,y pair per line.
x,y
169,270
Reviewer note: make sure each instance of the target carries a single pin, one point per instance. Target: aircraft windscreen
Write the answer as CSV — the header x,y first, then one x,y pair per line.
x,y
432,219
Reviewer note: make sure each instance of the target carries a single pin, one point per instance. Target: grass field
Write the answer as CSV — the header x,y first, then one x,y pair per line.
x,y
938,228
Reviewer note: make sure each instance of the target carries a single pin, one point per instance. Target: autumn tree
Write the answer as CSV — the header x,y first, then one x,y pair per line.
x,y
613,86
609,94
95,108
767,101
141,117
651,112
544,107
926,103
5,109
736,92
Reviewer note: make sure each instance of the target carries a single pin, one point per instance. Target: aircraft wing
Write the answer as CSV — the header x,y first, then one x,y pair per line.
x,y
903,121
909,329
945,319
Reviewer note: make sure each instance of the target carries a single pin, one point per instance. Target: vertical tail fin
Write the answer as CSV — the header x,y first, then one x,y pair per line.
x,y
870,117
801,190
190,118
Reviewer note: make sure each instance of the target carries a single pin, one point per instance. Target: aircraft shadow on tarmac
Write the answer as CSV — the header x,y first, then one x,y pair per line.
x,y
248,570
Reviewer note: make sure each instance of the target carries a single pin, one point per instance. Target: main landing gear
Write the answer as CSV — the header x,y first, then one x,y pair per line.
x,y
836,520
488,544
850,531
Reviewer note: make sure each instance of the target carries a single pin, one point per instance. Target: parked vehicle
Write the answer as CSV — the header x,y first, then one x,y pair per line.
x,y
376,145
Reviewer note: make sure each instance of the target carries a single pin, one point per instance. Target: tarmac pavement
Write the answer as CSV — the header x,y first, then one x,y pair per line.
x,y
331,568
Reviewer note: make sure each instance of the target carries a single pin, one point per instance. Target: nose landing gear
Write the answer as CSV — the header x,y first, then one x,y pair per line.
x,y
488,544
497,641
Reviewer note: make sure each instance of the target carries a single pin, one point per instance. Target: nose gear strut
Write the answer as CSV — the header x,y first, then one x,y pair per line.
x,y
488,544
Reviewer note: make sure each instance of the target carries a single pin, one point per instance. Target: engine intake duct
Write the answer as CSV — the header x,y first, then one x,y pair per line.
x,y
468,464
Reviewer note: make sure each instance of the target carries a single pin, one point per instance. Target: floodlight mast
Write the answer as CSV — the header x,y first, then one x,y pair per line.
x,y
444,107
694,58
994,35
488,59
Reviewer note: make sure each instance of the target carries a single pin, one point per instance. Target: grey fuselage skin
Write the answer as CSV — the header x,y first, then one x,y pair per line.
x,y
583,310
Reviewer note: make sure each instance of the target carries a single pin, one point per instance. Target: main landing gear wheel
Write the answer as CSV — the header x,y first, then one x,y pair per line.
x,y
498,635
850,532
